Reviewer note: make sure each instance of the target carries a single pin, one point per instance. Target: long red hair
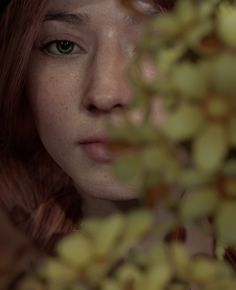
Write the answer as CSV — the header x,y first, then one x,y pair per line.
x,y
37,194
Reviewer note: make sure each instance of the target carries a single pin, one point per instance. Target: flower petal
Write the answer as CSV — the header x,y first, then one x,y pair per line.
x,y
225,224
200,203
184,123
210,148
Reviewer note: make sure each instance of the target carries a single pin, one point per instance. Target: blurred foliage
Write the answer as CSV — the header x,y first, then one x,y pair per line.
x,y
190,148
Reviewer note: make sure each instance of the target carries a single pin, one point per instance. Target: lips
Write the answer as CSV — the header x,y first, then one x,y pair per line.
x,y
97,149
102,149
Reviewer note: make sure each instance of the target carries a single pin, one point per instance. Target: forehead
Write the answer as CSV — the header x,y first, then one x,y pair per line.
x,y
73,5
110,12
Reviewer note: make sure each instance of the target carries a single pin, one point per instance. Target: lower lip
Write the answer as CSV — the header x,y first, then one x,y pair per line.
x,y
97,152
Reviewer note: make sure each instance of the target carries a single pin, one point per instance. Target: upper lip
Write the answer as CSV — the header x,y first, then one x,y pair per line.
x,y
95,139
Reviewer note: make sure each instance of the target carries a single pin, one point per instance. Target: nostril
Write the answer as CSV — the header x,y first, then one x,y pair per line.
x,y
92,109
118,107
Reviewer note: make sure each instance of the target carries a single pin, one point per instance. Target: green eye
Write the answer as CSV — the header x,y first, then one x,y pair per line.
x,y
63,47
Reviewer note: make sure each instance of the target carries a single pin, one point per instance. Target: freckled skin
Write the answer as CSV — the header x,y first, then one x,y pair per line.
x,y
71,96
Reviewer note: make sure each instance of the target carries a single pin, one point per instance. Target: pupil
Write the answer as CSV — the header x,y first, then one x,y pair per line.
x,y
64,46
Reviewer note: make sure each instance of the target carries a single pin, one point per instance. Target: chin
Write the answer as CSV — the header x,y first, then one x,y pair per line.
x,y
116,195
110,191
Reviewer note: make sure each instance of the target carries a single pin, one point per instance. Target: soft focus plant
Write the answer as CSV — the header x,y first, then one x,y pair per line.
x,y
191,151
194,147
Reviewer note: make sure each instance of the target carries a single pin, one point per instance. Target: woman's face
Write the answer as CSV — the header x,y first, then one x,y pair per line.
x,y
76,81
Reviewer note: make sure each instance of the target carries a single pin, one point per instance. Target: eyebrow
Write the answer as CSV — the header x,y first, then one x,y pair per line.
x,y
67,17
78,19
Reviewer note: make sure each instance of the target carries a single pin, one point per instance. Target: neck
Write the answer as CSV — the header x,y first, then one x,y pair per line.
x,y
98,207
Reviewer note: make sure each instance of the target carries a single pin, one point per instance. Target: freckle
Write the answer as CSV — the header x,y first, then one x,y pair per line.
x,y
64,106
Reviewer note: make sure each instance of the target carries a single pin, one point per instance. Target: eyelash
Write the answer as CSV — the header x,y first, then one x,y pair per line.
x,y
58,42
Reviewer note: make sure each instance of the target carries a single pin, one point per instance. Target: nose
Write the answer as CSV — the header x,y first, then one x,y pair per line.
x,y
108,89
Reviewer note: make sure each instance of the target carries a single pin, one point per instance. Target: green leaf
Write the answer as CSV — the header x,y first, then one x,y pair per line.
x,y
109,284
225,224
76,250
178,286
218,107
107,234
89,226
195,36
123,132
210,148
140,99
224,75
158,255
153,158
173,171
229,168
56,271
200,203
128,275
226,22
97,271
190,178
114,131
185,10
166,57
168,25
128,167
158,277
232,131
148,133
189,81
184,123
180,259
137,224
204,270
230,186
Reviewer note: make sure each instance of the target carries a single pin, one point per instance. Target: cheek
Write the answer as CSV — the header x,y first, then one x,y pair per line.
x,y
51,107
52,86
51,100
46,99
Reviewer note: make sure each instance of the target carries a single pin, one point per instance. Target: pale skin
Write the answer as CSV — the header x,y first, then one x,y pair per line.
x,y
73,93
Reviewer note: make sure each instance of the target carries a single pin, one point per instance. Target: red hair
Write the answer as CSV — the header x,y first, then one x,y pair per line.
x,y
37,194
